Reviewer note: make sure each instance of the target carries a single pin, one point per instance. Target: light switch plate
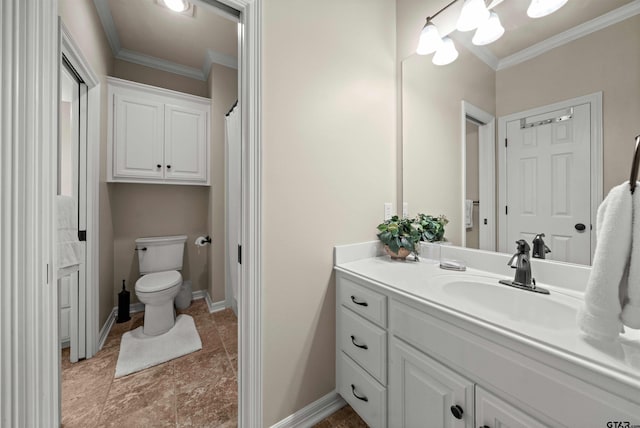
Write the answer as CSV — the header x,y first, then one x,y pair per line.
x,y
387,210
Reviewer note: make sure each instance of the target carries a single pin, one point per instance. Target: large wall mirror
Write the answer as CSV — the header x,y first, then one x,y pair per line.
x,y
563,90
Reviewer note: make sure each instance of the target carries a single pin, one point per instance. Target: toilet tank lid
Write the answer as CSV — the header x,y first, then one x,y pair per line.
x,y
161,240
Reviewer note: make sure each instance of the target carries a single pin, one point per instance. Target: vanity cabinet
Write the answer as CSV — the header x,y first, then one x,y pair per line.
x,y
423,392
157,135
404,362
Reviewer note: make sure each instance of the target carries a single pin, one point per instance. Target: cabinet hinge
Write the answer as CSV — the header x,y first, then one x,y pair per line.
x,y
506,142
239,254
506,210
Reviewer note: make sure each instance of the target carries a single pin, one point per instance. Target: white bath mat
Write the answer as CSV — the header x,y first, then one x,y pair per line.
x,y
138,352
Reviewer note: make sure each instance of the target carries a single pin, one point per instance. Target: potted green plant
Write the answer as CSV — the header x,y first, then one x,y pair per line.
x,y
400,236
432,227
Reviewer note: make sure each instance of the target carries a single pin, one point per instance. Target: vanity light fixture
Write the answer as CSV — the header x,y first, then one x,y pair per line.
x,y
474,12
430,39
446,53
489,31
176,5
540,8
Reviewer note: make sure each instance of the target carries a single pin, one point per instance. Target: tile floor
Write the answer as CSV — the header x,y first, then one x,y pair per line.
x,y
197,390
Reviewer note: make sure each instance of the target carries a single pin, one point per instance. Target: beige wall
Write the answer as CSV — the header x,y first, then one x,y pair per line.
x,y
163,79
142,210
81,19
223,91
329,165
607,61
432,136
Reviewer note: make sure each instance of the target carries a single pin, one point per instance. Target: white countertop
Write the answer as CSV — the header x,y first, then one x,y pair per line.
x,y
523,321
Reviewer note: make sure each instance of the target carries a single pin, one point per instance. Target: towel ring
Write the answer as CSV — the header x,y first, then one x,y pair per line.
x,y
634,167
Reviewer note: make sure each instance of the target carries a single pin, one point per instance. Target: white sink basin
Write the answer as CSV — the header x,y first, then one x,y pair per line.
x,y
552,311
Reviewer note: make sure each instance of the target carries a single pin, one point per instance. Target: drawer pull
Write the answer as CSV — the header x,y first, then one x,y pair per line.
x,y
359,397
353,340
353,299
456,411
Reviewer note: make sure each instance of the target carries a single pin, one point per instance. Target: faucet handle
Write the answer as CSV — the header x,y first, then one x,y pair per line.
x,y
511,261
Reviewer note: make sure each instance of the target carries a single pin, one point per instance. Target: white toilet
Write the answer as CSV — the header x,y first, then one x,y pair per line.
x,y
159,258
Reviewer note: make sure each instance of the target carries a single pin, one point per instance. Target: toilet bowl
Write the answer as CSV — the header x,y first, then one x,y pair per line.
x,y
157,291
159,259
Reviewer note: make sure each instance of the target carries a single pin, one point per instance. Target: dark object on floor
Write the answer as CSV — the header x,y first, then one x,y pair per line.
x,y
124,298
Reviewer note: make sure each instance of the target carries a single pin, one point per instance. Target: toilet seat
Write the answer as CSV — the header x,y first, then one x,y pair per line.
x,y
158,281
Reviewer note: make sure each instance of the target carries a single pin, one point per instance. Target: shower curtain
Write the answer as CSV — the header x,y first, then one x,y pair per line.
x,y
233,150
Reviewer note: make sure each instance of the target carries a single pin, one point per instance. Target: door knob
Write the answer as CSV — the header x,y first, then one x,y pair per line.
x,y
456,411
580,227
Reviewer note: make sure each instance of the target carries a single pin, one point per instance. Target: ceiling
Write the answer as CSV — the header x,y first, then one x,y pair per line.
x,y
525,37
147,33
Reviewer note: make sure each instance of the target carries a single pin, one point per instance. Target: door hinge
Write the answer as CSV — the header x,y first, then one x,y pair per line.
x,y
506,142
82,235
506,210
239,254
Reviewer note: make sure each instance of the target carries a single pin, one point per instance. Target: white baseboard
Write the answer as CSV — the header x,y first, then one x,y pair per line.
x,y
106,328
314,412
215,306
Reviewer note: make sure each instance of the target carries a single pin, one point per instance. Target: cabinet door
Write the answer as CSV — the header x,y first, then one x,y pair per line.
x,y
492,412
424,393
185,150
138,132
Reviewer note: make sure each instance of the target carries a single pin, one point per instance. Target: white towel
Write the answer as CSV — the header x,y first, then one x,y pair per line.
x,y
468,213
69,248
599,316
631,302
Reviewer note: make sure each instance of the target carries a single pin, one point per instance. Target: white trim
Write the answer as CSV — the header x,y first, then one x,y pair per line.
x,y
29,316
202,74
314,412
597,159
157,91
160,64
487,180
106,328
615,16
215,306
74,55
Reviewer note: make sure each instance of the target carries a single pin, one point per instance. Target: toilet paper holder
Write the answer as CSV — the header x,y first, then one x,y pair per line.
x,y
201,241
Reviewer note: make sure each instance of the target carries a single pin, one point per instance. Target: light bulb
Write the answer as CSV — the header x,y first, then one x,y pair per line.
x,y
446,53
176,5
489,31
540,8
429,39
474,12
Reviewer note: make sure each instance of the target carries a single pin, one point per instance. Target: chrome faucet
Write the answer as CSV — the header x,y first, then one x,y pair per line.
x,y
521,263
540,249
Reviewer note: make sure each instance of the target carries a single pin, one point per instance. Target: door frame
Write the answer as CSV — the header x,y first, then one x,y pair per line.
x,y
486,173
250,378
70,50
597,179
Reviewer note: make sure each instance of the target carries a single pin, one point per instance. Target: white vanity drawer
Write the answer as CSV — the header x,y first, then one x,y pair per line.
x,y
367,397
362,300
364,342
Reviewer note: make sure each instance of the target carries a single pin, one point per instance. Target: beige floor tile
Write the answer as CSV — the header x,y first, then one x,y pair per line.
x,y
213,404
201,367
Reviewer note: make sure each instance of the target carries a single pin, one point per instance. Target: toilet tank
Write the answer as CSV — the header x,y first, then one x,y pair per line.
x,y
160,253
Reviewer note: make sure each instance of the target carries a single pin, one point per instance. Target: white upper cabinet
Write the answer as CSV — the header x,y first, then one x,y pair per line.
x,y
157,135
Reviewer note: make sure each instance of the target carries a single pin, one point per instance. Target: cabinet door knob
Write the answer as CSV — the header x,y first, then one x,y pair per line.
x,y
353,340
359,397
353,299
456,411
168,166
158,166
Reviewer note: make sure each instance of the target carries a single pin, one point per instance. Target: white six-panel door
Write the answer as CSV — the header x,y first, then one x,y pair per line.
x,y
548,182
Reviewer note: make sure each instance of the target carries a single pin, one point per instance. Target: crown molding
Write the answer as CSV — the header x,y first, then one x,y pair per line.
x,y
210,57
596,24
160,64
